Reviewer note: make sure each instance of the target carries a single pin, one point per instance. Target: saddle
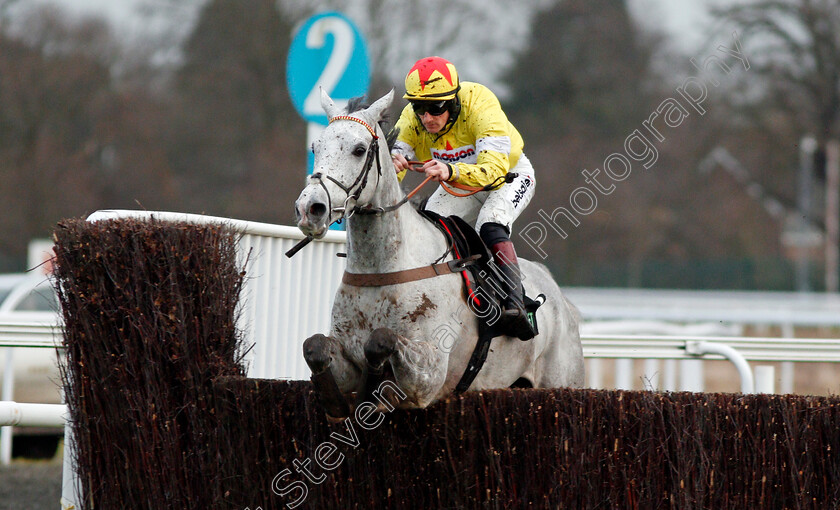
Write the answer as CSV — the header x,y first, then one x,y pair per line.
x,y
482,288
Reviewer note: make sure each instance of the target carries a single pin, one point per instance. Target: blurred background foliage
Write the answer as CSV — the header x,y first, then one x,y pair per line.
x,y
193,115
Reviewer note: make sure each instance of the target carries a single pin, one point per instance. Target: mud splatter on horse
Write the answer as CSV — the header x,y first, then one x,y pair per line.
x,y
418,333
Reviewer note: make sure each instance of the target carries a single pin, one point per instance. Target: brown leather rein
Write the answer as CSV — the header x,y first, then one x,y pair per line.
x,y
417,166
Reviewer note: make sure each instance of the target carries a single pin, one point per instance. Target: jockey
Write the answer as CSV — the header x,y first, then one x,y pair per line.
x,y
460,128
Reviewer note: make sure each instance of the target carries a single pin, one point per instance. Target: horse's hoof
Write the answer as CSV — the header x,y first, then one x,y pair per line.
x,y
333,402
317,353
381,344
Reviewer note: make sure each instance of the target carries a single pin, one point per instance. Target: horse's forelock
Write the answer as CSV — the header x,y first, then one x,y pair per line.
x,y
357,104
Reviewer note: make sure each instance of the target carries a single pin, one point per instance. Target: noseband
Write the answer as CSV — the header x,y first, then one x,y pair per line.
x,y
361,180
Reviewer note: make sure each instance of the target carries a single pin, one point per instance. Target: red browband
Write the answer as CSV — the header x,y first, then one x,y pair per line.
x,y
354,119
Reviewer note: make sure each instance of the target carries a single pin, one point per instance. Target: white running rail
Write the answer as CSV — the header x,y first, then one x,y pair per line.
x,y
32,415
674,347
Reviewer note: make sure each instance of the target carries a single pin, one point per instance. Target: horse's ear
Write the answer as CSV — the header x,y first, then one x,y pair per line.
x,y
378,108
328,105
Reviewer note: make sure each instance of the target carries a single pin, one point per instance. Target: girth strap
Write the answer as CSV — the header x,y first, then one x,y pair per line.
x,y
408,275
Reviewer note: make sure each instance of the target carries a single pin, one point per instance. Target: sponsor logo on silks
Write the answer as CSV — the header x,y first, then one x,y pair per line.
x,y
465,154
520,193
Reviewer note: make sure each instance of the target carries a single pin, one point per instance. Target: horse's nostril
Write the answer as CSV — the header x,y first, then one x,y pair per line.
x,y
318,210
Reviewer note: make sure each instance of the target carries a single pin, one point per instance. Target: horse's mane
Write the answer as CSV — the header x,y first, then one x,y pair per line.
x,y
357,104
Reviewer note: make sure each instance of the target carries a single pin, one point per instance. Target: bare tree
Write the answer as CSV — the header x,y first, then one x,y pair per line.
x,y
795,46
232,113
70,141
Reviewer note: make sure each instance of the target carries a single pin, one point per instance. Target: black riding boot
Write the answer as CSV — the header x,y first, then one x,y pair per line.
x,y
514,319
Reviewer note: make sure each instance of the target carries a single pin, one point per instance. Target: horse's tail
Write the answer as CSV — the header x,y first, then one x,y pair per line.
x,y
574,312
577,317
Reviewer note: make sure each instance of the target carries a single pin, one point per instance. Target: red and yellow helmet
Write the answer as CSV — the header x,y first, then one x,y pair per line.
x,y
431,79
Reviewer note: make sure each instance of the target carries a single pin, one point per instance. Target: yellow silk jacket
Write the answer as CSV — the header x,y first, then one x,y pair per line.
x,y
482,145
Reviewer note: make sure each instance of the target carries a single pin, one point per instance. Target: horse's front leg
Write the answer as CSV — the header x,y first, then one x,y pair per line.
x,y
419,369
332,374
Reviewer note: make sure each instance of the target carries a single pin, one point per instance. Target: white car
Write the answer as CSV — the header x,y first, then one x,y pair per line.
x,y
29,299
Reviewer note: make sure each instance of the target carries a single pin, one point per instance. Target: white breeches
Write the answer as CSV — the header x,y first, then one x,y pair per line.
x,y
500,206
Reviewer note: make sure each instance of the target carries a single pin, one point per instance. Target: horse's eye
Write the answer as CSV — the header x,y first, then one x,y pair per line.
x,y
359,151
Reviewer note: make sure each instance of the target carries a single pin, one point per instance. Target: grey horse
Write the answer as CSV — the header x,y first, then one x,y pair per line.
x,y
417,334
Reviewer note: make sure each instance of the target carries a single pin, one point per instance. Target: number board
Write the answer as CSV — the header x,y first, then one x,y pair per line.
x,y
327,52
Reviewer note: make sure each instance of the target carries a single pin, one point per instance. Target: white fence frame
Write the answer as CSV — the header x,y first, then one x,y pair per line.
x,y
21,329
42,335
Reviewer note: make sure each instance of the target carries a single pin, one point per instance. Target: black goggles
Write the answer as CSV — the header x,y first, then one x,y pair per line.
x,y
430,107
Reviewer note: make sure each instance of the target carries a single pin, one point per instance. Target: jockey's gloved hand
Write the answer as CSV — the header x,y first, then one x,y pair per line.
x,y
400,163
437,170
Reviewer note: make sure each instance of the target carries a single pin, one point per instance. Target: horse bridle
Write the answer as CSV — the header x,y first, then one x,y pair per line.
x,y
361,180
